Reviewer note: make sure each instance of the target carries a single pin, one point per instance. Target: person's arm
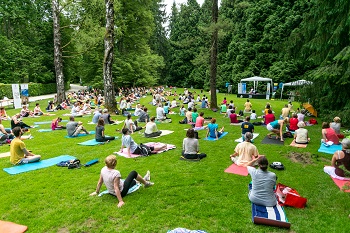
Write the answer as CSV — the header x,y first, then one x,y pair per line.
x,y
324,136
2,129
216,134
334,158
27,153
250,164
207,133
131,128
98,187
295,134
15,120
117,192
234,155
197,145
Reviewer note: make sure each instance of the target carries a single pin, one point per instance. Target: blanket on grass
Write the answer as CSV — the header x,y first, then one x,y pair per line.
x,y
125,154
214,139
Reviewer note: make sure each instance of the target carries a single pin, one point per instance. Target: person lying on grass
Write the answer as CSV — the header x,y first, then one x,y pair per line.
x,y
74,128
132,147
340,166
245,151
276,127
190,146
18,152
263,183
213,131
100,132
112,180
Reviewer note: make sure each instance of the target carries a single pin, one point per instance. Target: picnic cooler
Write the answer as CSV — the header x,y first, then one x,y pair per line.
x,y
287,196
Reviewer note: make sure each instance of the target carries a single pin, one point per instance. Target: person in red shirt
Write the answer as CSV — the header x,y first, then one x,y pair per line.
x,y
200,122
233,117
328,134
293,123
269,117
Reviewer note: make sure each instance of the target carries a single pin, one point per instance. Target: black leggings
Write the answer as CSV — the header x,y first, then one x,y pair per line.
x,y
129,182
105,139
154,134
194,156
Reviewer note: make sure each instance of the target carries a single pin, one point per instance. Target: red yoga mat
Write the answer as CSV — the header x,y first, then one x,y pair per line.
x,y
238,170
341,183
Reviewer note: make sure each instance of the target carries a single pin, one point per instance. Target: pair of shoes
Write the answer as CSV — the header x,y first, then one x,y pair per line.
x,y
148,184
147,177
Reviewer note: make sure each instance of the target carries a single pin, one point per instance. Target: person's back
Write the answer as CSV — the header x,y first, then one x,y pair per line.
x,y
332,136
71,125
194,116
247,127
99,130
189,115
233,118
246,151
263,182
335,126
105,117
212,127
143,117
190,145
199,122
293,124
285,112
96,116
302,135
269,118
301,117
160,113
16,150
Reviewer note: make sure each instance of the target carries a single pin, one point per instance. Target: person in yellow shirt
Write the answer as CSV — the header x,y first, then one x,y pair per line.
x,y
18,152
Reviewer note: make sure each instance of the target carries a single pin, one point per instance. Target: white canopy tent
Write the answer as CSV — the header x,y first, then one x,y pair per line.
x,y
256,80
296,83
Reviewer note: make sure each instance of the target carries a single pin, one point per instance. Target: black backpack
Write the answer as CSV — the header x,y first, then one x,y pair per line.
x,y
288,135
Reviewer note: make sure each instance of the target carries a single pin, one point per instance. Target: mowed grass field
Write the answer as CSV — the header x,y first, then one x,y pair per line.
x,y
193,195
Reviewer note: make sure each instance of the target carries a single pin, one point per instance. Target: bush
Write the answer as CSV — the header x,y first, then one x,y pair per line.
x,y
35,89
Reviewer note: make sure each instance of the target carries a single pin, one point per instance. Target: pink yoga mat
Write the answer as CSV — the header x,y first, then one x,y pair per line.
x,y
341,183
238,170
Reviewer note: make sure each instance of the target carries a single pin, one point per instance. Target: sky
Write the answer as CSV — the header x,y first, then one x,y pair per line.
x,y
169,3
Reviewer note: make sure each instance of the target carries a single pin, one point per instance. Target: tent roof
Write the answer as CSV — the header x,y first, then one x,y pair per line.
x,y
298,83
256,78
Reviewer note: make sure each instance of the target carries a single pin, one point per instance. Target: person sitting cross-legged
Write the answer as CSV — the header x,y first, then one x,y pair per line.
x,y
245,151
190,146
151,129
18,152
112,179
100,132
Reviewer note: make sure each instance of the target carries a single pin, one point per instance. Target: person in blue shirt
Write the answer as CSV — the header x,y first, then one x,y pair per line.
x,y
213,131
166,108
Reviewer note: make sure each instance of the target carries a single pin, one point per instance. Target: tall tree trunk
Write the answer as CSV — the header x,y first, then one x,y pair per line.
x,y
58,51
214,56
108,57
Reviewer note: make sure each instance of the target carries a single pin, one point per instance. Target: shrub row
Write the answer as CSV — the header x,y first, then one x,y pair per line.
x,y
34,89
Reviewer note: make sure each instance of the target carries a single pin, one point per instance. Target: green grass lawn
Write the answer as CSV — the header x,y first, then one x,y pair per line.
x,y
193,195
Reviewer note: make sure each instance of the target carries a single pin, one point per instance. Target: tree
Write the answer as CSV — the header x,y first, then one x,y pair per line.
x,y
58,51
214,56
108,57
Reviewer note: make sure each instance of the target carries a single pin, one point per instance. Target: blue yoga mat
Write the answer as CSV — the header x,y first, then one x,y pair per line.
x,y
214,139
92,142
81,134
37,165
45,130
46,122
330,149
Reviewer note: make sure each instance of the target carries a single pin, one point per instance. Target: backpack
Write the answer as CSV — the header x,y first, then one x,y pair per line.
x,y
145,150
288,135
313,121
240,113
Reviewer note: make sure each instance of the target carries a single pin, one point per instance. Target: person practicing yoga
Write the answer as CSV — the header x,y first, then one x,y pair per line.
x,y
248,106
17,121
3,114
74,128
301,135
269,117
132,147
55,124
107,117
276,127
293,123
151,129
100,132
213,131
131,125
336,126
112,180
263,183
245,151
247,127
5,134
200,122
37,110
329,136
18,152
340,165
190,146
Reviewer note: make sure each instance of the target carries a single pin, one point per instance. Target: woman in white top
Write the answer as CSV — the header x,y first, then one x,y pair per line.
x,y
301,134
131,125
151,129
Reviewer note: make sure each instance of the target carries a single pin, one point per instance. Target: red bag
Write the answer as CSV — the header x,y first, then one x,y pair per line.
x,y
313,121
287,196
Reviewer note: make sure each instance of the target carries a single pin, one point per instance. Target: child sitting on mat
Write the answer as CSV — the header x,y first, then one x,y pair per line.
x,y
112,179
18,152
213,131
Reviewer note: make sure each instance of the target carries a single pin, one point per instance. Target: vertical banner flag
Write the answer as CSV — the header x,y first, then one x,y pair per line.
x,y
16,96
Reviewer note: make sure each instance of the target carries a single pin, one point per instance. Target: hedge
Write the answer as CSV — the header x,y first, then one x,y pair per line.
x,y
34,89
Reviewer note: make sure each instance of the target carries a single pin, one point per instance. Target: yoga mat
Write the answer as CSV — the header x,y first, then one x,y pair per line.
x,y
272,141
214,139
131,190
10,227
236,124
5,154
81,135
37,165
341,183
164,132
124,153
44,130
92,123
255,135
238,170
271,216
298,145
92,142
330,149
46,122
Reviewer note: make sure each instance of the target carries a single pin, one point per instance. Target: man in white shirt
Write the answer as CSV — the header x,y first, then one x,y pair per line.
x,y
160,112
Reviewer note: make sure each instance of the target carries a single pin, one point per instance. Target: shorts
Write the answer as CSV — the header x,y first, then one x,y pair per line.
x,y
269,127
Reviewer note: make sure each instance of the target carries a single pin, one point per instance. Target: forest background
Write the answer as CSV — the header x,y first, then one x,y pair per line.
x,y
285,40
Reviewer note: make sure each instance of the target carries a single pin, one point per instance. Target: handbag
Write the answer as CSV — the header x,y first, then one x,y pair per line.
x,y
288,196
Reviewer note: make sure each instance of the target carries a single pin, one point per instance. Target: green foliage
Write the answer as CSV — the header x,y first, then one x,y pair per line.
x,y
34,89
